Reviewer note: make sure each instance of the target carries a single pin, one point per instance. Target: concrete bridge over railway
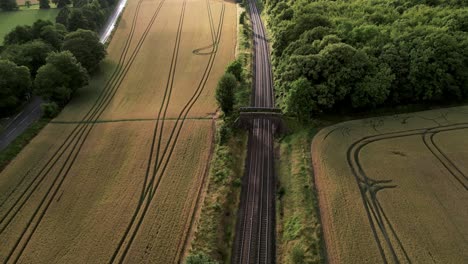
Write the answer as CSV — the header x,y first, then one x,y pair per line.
x,y
248,114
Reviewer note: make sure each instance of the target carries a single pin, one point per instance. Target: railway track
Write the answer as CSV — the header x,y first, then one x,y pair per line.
x,y
255,232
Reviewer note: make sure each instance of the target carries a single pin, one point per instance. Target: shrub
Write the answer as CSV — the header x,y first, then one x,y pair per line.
x,y
50,110
199,258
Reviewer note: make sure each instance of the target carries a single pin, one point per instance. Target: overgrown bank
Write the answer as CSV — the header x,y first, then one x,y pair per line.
x,y
215,229
299,233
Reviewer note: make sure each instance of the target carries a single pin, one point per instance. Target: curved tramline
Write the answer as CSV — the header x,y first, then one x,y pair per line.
x,y
160,164
378,220
396,186
80,132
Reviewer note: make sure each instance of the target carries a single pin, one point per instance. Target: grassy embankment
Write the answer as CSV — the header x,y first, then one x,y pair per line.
x,y
299,235
11,19
216,226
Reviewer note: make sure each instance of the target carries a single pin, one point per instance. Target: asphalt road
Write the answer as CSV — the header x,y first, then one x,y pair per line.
x,y
21,122
255,231
32,112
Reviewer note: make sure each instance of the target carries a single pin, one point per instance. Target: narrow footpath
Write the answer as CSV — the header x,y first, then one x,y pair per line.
x,y
255,231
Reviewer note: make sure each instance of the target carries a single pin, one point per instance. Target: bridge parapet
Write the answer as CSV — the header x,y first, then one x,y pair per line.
x,y
249,114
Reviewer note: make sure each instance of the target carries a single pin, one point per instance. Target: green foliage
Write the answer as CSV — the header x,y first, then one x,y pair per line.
x,y
297,255
8,5
62,16
19,35
297,205
292,228
242,18
86,15
10,20
61,3
60,77
235,68
32,54
44,4
54,35
77,20
225,93
50,110
359,55
199,258
85,46
15,84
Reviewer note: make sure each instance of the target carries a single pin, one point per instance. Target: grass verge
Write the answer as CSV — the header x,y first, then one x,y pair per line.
x,y
299,233
216,226
15,147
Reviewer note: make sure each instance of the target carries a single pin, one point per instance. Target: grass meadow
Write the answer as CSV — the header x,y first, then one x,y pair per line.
x,y
11,19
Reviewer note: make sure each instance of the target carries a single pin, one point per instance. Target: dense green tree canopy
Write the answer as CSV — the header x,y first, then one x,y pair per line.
x,y
86,15
54,35
19,35
85,46
344,55
44,4
61,3
236,69
8,5
15,83
62,16
32,54
225,92
60,77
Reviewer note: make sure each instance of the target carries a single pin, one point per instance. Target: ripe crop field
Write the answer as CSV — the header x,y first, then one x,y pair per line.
x,y
395,188
118,175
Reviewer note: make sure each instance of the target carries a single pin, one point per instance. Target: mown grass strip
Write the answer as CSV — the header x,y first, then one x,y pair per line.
x,y
15,147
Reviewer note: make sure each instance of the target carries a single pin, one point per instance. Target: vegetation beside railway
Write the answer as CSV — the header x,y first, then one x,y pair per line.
x,y
299,232
216,225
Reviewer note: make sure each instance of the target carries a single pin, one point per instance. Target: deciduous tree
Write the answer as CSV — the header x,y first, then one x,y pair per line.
x,y
15,83
19,35
225,93
60,77
44,4
85,46
32,54
8,5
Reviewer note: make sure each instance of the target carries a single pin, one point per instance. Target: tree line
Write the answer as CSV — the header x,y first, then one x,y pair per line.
x,y
51,59
340,56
